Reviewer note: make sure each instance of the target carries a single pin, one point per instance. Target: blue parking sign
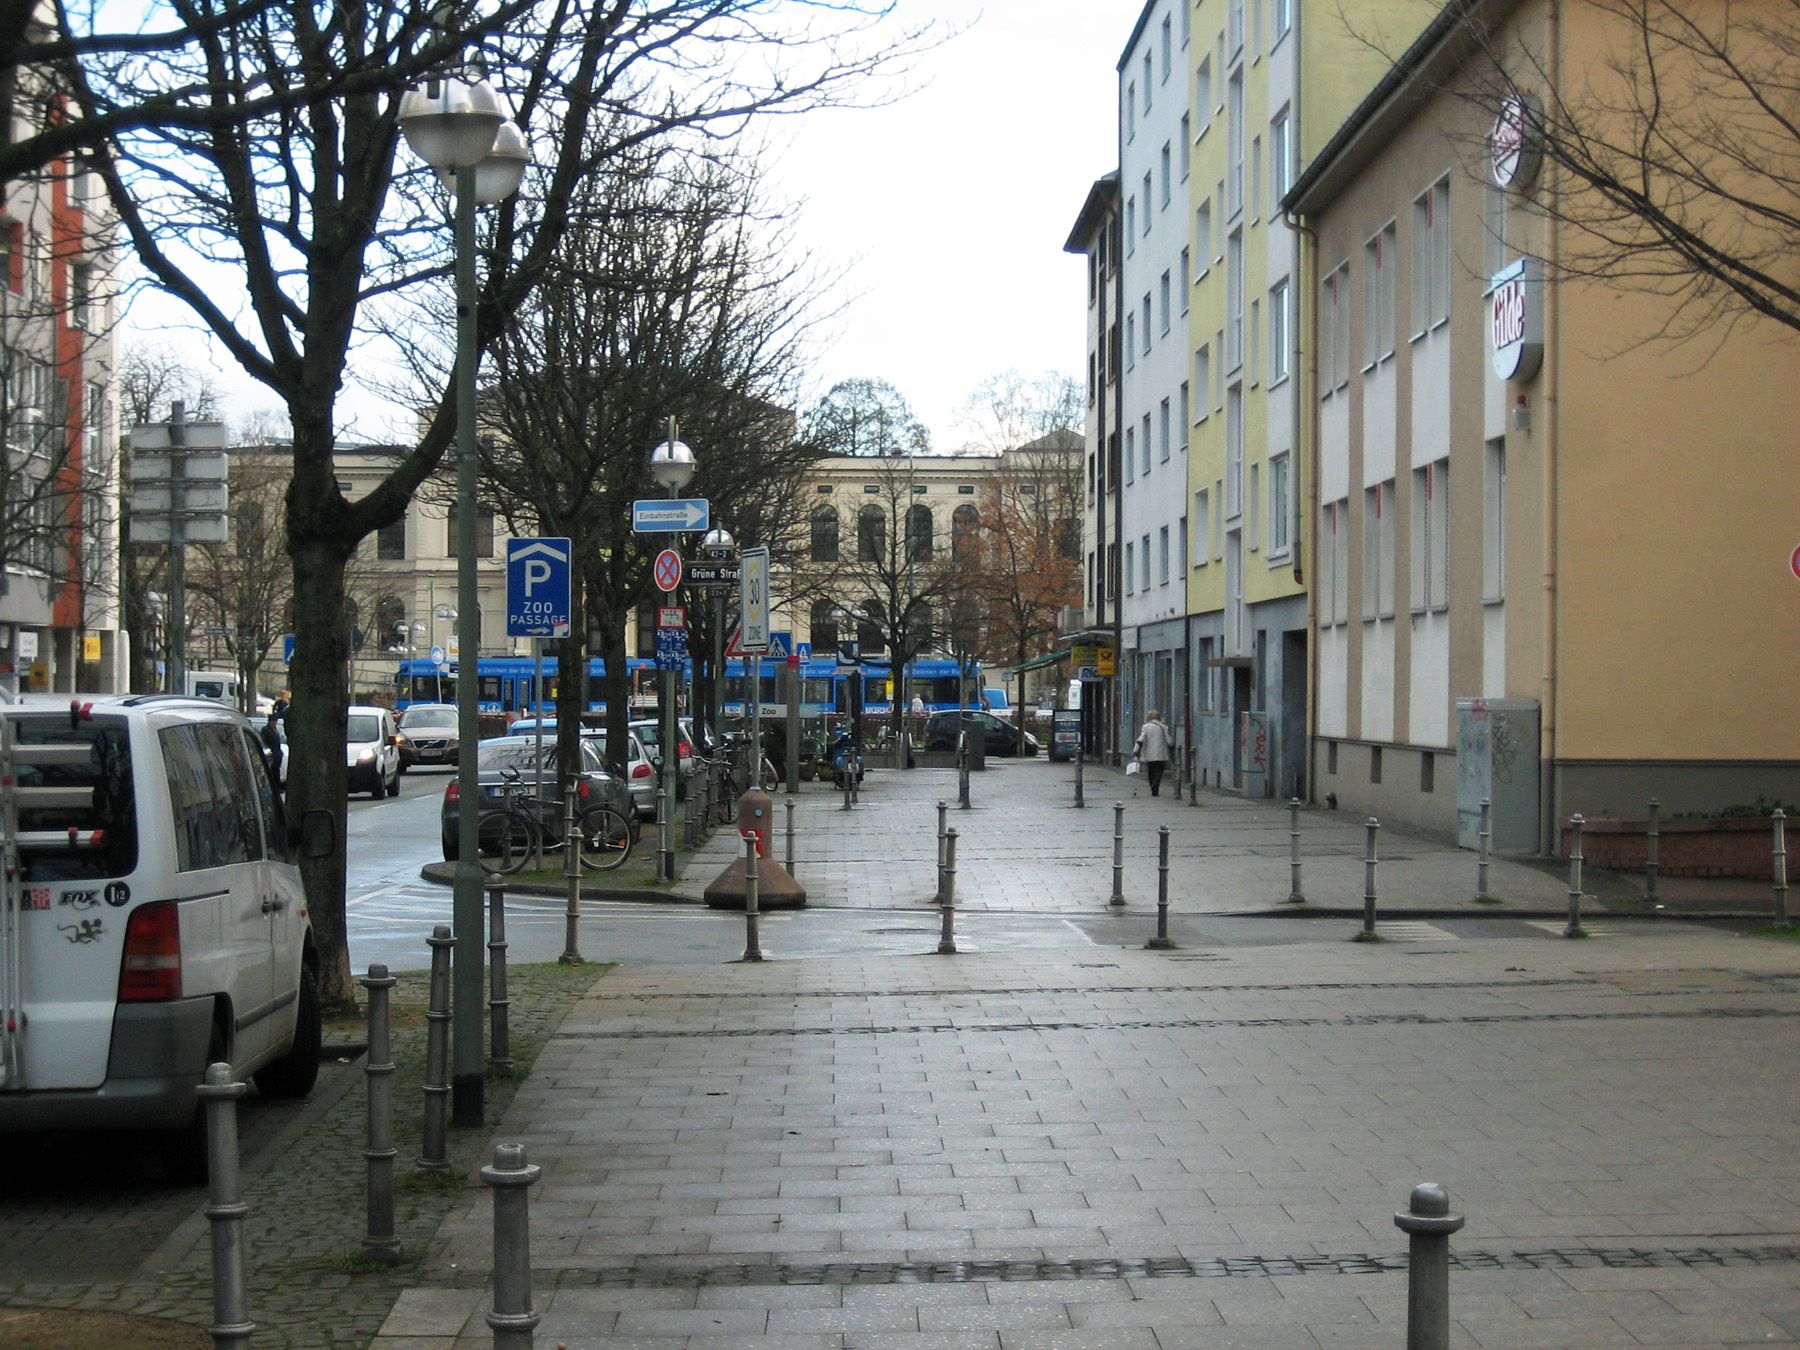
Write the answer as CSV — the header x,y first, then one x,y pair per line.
x,y
537,587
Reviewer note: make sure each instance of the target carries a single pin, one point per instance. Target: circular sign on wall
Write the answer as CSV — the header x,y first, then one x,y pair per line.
x,y
1515,145
1794,562
1516,320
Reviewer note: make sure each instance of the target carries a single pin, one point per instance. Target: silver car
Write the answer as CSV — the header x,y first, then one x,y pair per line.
x,y
639,769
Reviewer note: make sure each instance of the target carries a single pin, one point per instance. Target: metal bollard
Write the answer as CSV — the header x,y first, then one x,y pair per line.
x,y
1651,839
1118,891
962,770
1370,860
1161,941
849,778
1080,761
500,1060
947,940
1780,861
791,800
513,1318
665,840
379,1243
943,817
1484,839
225,1208
1296,896
752,915
1575,930
434,1152
571,953
1429,1224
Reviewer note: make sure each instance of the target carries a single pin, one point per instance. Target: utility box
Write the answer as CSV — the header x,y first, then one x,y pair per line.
x,y
1497,758
1065,734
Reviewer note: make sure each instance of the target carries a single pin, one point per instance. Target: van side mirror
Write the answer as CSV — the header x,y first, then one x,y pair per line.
x,y
316,835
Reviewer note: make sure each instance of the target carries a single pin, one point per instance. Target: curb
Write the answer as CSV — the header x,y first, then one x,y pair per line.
x,y
439,874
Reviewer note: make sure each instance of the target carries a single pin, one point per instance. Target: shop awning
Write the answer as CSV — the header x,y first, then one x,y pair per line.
x,y
1038,661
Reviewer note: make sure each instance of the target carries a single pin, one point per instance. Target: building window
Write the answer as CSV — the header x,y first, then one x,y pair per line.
x,y
1281,159
1163,441
1131,454
1131,342
1280,506
824,628
1165,287
1234,144
1145,553
1380,262
1280,340
1131,110
919,531
1431,536
871,628
1130,570
1325,568
1146,220
1254,511
1493,545
1203,382
1181,421
1202,519
1234,300
1334,331
1167,179
1378,551
484,530
1185,278
1203,235
390,541
1203,96
964,522
81,297
1162,556
1283,18
871,534
1145,442
1146,323
1167,47
1431,258
1187,145
825,534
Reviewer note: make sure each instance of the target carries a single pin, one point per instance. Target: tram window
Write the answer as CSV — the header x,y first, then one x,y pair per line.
x,y
816,691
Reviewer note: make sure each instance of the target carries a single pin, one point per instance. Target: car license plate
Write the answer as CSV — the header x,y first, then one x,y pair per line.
x,y
431,754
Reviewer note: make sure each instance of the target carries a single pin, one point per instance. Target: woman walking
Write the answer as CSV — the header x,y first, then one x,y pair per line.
x,y
1152,750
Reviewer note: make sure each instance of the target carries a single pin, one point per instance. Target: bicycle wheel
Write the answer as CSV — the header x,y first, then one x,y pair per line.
x,y
518,833
605,838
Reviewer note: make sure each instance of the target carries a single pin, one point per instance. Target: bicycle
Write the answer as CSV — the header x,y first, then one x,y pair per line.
x,y
527,823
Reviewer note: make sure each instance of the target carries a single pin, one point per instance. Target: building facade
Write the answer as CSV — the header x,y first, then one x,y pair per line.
x,y
1554,553
59,521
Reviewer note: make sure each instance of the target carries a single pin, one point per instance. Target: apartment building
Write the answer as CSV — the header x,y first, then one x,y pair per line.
x,y
1195,484
59,519
1555,554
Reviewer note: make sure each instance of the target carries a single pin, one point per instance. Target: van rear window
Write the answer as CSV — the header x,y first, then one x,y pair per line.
x,y
111,808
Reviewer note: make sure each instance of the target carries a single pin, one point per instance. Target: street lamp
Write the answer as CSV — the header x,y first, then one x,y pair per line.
x,y
456,124
719,543
672,465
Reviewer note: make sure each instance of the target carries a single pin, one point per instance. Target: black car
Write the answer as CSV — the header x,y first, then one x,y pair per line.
x,y
942,728
519,754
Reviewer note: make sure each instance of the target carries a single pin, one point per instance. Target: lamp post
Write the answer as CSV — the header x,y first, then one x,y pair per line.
x,y
671,464
719,543
456,125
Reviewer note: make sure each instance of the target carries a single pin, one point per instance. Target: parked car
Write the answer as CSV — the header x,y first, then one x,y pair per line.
x,y
372,751
161,924
1003,738
520,753
428,735
649,731
637,768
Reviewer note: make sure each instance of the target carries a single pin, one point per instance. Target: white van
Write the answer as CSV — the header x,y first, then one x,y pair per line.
x,y
219,685
156,921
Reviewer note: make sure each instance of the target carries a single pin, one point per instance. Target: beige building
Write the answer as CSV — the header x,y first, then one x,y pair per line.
x,y
1553,561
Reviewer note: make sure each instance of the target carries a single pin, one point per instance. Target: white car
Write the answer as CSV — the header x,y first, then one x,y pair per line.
x,y
372,751
158,924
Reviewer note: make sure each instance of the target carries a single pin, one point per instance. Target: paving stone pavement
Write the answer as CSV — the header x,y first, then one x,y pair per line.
x,y
1121,1148
1023,845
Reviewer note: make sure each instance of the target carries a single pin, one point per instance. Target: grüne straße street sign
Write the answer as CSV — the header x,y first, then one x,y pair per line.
x,y
713,572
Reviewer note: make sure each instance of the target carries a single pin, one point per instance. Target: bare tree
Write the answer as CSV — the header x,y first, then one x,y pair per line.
x,y
865,417
245,586
671,301
1672,159
277,169
1008,410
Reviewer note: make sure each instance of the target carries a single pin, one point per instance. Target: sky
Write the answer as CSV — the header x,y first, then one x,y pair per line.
x,y
948,208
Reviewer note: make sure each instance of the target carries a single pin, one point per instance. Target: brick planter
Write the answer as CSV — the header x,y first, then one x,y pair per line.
x,y
1737,847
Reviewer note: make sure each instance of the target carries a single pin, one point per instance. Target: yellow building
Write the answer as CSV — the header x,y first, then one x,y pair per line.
x,y
1554,553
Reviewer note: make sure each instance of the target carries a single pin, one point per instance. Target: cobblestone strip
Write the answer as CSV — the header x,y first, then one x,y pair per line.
x,y
307,1288
1147,1268
1187,1023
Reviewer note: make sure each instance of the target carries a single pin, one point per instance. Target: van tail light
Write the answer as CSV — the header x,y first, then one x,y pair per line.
x,y
151,969
642,771
453,793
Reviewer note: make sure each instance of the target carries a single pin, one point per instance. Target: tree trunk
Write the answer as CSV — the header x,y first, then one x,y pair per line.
x,y
316,720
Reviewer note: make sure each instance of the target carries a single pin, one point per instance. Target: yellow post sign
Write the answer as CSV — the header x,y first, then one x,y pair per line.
x,y
90,648
1108,659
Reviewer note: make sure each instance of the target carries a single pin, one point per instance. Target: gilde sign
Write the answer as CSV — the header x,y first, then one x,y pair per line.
x,y
1516,320
1514,150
